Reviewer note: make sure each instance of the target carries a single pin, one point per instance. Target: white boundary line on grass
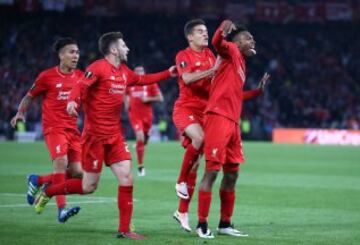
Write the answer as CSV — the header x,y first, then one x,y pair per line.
x,y
54,204
90,200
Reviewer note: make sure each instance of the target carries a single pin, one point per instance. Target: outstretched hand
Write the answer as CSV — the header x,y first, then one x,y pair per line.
x,y
263,81
173,71
227,27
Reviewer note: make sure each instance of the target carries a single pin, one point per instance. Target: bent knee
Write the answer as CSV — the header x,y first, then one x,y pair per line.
x,y
89,188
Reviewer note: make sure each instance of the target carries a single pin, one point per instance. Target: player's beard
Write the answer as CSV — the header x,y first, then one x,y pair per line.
x,y
123,58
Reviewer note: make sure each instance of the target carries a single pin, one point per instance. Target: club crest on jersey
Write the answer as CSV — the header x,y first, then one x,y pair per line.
x,y
198,63
183,64
88,74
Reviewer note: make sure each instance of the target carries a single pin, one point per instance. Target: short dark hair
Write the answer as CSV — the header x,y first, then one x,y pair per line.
x,y
62,42
107,39
189,26
234,33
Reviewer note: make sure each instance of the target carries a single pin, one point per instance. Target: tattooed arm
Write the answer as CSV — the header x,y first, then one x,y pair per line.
x,y
23,107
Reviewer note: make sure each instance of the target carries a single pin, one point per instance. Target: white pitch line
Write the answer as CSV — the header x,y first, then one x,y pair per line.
x,y
53,204
90,200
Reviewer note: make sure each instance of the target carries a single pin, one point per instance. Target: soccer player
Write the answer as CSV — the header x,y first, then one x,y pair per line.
x,y
102,91
222,143
140,99
196,66
60,130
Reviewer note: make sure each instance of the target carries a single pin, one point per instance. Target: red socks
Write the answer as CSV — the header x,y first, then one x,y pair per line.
x,y
125,206
140,149
59,178
204,205
190,156
227,199
183,203
70,186
44,179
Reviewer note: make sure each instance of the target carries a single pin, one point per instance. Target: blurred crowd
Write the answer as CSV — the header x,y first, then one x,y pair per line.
x,y
315,75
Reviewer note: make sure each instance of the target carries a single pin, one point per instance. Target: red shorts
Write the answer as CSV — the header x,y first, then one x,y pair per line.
x,y
64,141
223,147
141,123
97,149
185,116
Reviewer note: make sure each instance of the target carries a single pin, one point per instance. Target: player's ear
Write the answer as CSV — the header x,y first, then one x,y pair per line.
x,y
112,48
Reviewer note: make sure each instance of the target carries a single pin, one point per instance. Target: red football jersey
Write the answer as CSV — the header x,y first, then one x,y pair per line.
x,y
196,94
138,108
226,92
102,91
55,86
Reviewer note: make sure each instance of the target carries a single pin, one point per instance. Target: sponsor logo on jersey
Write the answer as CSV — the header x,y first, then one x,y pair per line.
x,y
58,149
191,117
58,85
117,88
63,95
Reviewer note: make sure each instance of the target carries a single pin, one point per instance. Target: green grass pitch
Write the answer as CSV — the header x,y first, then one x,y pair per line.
x,y
286,194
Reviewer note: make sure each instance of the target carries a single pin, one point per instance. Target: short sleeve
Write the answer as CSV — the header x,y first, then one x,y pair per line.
x,y
183,63
92,74
39,86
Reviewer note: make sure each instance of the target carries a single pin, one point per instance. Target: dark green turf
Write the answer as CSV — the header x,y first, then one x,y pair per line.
x,y
286,194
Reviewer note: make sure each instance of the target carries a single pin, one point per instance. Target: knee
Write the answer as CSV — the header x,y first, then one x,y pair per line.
x,y
208,180
60,164
126,180
75,171
89,188
229,180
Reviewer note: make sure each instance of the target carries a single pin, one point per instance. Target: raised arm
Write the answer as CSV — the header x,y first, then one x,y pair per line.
x,y
218,40
249,94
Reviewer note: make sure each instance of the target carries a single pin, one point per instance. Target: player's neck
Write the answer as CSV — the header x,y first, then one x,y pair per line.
x,y
113,60
196,48
65,69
